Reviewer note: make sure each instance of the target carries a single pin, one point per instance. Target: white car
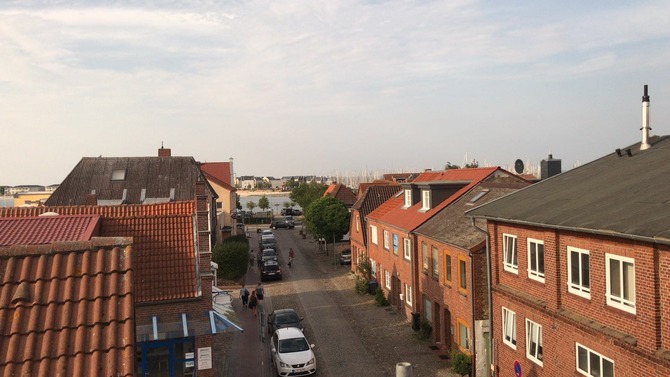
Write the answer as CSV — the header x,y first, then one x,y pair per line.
x,y
291,353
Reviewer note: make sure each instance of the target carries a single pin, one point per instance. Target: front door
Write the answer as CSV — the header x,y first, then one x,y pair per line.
x,y
167,358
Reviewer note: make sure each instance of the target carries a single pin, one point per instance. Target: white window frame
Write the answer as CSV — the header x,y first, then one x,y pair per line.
x,y
462,325
407,249
373,234
387,279
358,221
509,327
510,262
435,265
622,303
425,200
535,274
589,372
386,240
581,288
534,335
394,239
408,294
424,257
408,198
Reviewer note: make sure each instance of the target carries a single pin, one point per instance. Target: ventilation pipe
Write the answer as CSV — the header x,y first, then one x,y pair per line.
x,y
645,121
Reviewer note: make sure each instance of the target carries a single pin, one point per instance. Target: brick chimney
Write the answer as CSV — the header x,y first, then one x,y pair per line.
x,y
164,152
92,199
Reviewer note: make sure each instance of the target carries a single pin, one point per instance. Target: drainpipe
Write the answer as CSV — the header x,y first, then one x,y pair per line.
x,y
489,298
412,262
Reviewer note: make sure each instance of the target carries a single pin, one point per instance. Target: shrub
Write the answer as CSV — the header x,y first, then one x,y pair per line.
x,y
380,299
461,364
361,286
425,329
232,258
237,238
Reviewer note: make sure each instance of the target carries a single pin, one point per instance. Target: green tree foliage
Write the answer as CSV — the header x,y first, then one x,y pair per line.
x,y
449,165
251,205
238,205
327,218
461,364
286,204
473,164
306,193
264,203
291,184
232,256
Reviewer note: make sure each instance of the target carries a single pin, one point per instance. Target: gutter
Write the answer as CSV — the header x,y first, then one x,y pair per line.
x,y
488,294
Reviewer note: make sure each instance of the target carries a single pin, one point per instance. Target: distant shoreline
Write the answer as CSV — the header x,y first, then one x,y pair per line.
x,y
245,193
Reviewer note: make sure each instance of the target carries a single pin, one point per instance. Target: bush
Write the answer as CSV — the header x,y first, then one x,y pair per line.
x,y
361,286
461,364
380,299
237,238
232,258
425,329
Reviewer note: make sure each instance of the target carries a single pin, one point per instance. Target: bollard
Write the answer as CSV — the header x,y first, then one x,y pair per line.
x,y
403,369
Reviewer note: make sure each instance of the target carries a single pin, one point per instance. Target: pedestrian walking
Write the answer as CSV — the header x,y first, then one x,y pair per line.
x,y
290,253
253,302
244,295
290,261
260,291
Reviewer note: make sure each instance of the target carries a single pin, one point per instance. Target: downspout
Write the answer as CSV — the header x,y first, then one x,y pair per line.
x,y
412,274
489,297
472,312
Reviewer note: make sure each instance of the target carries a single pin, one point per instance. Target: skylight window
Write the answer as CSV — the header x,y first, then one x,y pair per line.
x,y
478,196
119,175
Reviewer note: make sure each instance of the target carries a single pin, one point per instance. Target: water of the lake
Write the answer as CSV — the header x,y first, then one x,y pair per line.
x,y
276,202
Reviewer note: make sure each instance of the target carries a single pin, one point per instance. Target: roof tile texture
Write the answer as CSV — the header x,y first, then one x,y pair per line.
x,y
47,229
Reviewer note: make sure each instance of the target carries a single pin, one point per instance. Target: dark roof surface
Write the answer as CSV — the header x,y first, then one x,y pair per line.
x,y
66,309
619,196
451,226
157,175
372,198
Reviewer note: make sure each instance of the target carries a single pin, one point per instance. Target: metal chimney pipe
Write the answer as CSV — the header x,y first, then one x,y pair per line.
x,y
645,121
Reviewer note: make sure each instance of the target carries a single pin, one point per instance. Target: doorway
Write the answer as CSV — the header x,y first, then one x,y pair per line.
x,y
167,358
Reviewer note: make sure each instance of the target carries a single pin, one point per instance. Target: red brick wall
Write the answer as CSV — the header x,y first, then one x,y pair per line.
x,y
565,319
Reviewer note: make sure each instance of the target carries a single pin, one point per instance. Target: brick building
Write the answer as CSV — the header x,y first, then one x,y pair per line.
x,y
580,262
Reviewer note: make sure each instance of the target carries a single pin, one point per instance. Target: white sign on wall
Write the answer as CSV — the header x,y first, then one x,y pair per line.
x,y
205,358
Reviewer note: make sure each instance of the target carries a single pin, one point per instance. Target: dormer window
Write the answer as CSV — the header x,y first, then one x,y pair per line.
x,y
119,175
425,200
408,198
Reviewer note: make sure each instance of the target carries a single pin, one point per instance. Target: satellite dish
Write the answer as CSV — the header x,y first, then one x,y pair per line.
x,y
518,166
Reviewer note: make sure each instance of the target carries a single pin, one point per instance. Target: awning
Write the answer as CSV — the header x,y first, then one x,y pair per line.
x,y
223,314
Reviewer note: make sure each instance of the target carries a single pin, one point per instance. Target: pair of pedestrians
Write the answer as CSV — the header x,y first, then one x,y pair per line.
x,y
252,300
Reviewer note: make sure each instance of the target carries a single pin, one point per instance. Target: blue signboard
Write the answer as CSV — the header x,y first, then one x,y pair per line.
x,y
517,369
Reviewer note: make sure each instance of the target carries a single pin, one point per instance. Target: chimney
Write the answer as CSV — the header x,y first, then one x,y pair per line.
x,y
92,199
232,172
164,152
645,121
550,167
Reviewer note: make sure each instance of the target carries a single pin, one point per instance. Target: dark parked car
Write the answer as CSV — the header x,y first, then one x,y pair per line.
x,y
283,318
268,254
282,224
271,270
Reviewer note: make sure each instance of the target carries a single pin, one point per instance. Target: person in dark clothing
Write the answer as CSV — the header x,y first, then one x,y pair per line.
x,y
253,302
244,295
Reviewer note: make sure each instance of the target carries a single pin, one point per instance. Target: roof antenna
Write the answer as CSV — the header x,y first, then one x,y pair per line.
x,y
161,145
645,121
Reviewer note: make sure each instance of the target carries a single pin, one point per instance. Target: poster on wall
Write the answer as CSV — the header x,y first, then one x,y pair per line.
x,y
205,358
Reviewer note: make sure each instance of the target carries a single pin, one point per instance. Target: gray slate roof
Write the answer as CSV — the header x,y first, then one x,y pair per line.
x,y
451,226
627,196
372,198
158,175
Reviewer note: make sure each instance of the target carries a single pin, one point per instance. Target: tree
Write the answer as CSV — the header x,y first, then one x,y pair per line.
x,y
263,203
291,184
327,218
251,205
286,204
238,205
449,165
473,164
306,193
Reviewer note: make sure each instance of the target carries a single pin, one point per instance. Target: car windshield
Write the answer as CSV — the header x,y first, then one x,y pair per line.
x,y
293,345
284,318
269,253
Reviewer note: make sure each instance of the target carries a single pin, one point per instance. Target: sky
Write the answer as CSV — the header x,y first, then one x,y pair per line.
x,y
327,87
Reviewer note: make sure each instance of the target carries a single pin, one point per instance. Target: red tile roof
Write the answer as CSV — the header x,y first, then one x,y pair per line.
x,y
163,243
47,229
392,213
66,309
219,173
341,193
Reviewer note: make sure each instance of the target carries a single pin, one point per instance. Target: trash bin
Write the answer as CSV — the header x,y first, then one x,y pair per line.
x,y
415,321
372,287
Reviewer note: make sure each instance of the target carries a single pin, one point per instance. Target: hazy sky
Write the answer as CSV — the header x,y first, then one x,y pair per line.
x,y
326,87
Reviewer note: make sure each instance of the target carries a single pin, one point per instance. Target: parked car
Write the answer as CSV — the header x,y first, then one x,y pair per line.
x,y
345,257
291,353
271,270
297,212
286,211
267,242
282,224
268,255
283,318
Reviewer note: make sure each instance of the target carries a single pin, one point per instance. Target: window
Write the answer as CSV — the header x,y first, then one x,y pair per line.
x,y
509,327
425,200
447,268
436,263
510,262
387,279
219,205
578,272
407,248
428,309
119,175
620,273
408,198
373,267
534,342
358,220
462,274
592,364
408,294
373,234
424,252
463,335
395,244
536,260
386,239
